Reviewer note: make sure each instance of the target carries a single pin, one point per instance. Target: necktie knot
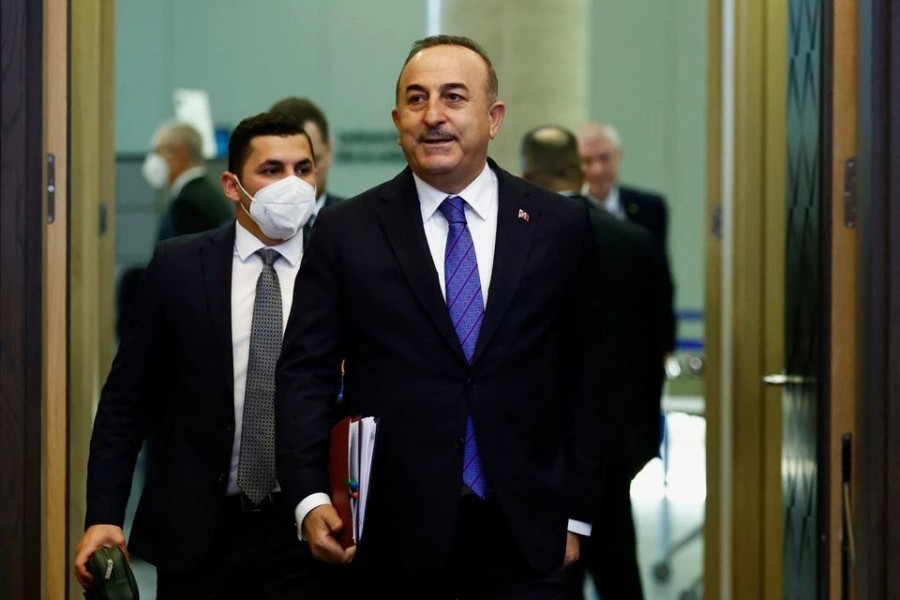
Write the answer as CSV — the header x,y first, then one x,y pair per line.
x,y
453,209
268,255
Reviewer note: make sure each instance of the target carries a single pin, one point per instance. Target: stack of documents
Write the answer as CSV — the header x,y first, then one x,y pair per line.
x,y
350,463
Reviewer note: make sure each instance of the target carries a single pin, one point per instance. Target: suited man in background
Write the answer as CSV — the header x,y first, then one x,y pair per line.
x,y
485,464
194,376
631,269
313,121
176,165
194,203
600,149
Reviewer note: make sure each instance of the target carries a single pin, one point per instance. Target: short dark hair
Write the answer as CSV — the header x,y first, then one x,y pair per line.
x,y
266,123
302,110
549,155
493,85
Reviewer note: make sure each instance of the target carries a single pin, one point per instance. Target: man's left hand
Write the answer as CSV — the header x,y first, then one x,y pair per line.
x,y
573,548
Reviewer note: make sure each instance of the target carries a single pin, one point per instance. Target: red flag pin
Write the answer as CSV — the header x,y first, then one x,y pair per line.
x,y
523,215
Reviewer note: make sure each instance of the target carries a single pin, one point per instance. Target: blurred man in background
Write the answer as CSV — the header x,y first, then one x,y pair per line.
x,y
633,297
176,165
312,120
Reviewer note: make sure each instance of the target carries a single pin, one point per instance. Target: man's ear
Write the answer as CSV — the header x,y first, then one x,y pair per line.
x,y
497,112
395,115
230,187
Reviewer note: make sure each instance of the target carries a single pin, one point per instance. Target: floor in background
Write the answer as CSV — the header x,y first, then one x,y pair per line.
x,y
667,511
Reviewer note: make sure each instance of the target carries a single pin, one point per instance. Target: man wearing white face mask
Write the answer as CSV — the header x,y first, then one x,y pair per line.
x,y
195,377
176,165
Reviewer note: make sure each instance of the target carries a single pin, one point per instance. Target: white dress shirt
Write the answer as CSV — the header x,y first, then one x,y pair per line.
x,y
482,203
246,266
611,204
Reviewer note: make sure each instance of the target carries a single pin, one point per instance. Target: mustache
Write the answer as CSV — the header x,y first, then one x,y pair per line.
x,y
434,135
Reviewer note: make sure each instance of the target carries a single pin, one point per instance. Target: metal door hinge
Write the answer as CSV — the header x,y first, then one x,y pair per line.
x,y
850,192
102,220
51,188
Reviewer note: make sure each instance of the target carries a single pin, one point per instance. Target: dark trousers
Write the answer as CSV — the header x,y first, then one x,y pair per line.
x,y
610,554
253,555
485,565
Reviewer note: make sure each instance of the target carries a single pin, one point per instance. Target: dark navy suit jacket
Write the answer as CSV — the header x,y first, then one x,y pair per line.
x,y
368,292
172,384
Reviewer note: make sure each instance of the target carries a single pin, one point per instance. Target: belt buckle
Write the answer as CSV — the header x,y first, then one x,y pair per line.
x,y
248,506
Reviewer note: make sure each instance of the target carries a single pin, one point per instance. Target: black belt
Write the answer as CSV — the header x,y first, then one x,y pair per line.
x,y
240,503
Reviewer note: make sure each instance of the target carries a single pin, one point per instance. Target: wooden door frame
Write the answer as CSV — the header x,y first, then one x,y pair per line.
x,y
878,488
91,248
746,183
840,86
56,550
745,288
20,296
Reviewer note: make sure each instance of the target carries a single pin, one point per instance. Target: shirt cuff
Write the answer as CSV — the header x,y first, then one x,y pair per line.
x,y
305,507
580,527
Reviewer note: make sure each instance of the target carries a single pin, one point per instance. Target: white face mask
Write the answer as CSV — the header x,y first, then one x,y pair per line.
x,y
155,170
282,208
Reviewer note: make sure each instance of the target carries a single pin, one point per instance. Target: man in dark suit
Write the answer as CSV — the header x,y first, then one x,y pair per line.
x,y
194,376
314,123
632,270
176,164
194,203
600,149
485,466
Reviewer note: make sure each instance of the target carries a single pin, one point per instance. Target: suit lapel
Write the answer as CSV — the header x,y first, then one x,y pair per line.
x,y
401,219
216,258
517,218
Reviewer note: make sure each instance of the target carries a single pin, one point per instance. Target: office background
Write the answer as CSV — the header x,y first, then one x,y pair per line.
x,y
639,65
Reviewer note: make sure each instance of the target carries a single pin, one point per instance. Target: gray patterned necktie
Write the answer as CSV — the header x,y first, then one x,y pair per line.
x,y
256,466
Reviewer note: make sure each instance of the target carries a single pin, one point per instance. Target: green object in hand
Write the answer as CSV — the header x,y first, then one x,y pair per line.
x,y
113,578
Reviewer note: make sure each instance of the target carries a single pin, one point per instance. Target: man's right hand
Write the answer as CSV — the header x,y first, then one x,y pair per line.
x,y
320,527
96,536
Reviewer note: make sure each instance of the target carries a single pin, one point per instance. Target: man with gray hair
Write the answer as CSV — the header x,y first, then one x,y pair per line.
x,y
633,304
176,164
600,149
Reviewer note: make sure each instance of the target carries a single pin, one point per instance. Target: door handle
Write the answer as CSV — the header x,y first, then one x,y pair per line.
x,y
782,379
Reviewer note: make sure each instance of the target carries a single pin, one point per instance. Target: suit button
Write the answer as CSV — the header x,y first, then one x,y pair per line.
x,y
458,443
229,428
223,477
470,383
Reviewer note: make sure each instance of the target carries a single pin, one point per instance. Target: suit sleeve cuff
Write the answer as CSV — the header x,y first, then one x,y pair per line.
x,y
580,527
305,507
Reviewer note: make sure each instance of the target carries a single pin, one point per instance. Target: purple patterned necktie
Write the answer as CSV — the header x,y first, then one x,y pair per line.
x,y
464,300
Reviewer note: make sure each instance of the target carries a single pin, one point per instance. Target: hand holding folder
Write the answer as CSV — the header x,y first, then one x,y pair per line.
x,y
349,465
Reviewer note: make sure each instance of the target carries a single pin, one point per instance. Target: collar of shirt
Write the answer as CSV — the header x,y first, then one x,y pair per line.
x,y
320,204
482,205
183,179
246,244
479,195
611,204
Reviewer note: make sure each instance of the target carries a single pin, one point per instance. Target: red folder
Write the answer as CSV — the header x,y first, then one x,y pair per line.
x,y
339,477
351,452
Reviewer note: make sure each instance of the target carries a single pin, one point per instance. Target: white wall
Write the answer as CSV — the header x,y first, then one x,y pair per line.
x,y
344,55
648,78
